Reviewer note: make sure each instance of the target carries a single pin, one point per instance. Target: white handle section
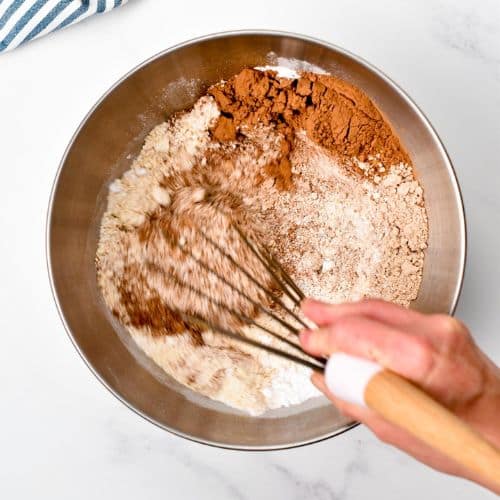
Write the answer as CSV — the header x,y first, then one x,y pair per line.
x,y
347,376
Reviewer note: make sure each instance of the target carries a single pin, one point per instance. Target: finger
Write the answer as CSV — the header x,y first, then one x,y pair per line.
x,y
409,355
381,427
388,432
360,413
392,314
350,410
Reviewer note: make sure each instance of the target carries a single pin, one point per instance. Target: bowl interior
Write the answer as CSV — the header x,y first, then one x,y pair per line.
x,y
103,148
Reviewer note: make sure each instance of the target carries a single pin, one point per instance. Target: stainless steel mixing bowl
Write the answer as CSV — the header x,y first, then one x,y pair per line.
x,y
103,147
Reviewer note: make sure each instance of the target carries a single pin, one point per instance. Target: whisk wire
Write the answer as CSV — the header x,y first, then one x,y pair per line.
x,y
281,278
269,293
191,318
242,317
266,260
256,304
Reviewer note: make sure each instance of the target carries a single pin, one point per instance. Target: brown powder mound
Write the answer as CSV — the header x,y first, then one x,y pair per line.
x,y
225,129
335,115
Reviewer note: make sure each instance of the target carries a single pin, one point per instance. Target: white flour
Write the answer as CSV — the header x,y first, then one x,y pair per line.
x,y
341,238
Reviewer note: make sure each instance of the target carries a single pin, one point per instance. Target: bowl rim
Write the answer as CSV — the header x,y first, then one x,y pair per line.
x,y
232,33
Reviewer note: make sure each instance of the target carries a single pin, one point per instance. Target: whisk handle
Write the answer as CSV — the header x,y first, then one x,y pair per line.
x,y
404,404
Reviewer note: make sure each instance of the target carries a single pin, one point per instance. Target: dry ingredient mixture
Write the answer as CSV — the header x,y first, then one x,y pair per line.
x,y
308,166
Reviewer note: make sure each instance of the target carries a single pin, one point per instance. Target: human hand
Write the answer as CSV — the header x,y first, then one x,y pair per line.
x,y
435,352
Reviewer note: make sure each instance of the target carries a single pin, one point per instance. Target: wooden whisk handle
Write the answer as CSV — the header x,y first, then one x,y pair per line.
x,y
409,407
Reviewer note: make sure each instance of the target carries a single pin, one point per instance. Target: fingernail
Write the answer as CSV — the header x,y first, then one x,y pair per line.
x,y
305,302
304,336
309,300
316,379
308,304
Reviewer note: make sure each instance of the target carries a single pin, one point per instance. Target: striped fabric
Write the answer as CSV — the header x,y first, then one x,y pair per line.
x,y
24,20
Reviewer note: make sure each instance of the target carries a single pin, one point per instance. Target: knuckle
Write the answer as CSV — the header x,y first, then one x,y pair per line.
x,y
461,329
423,353
451,328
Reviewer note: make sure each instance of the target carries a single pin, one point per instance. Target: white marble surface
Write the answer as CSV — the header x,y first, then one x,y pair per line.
x,y
62,434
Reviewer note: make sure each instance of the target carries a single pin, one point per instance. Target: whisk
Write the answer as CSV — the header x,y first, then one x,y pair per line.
x,y
288,319
353,379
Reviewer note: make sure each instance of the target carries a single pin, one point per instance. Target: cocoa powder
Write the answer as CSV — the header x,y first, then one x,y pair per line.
x,y
145,308
334,114
277,157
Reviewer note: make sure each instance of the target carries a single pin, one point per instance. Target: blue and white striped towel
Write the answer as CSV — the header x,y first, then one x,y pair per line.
x,y
24,20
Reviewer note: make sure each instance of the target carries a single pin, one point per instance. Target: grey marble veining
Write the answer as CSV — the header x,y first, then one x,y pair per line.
x,y
470,29
63,435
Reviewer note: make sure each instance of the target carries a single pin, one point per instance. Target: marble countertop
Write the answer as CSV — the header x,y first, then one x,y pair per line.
x,y
63,435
